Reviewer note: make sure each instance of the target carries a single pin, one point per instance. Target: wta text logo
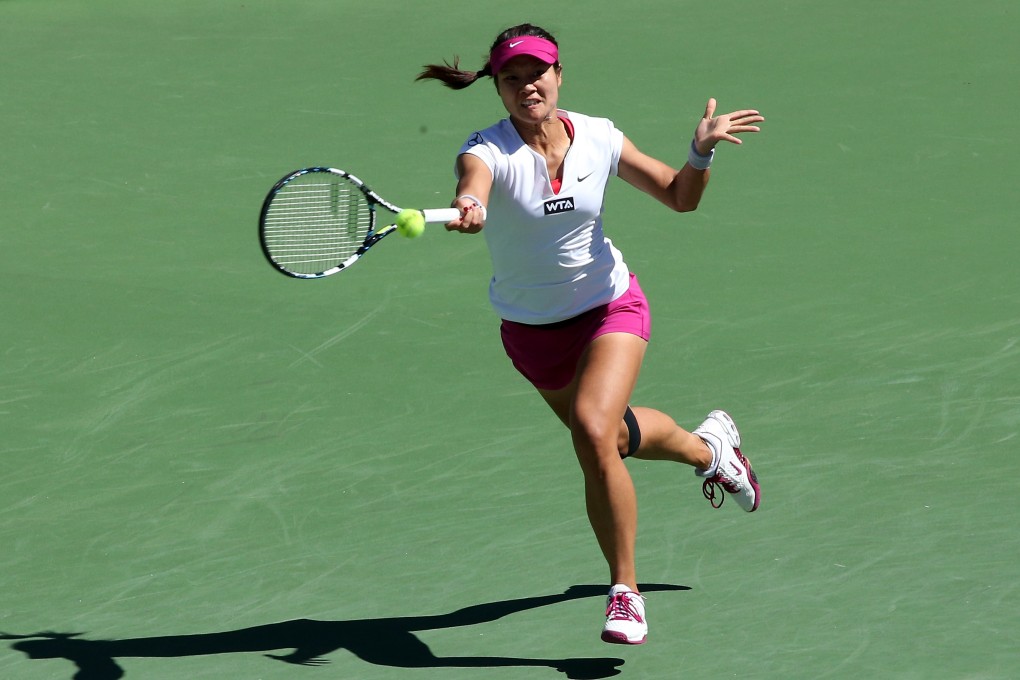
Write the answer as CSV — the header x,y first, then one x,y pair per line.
x,y
556,206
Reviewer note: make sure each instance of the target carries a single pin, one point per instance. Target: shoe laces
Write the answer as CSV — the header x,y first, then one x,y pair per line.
x,y
621,607
708,489
714,487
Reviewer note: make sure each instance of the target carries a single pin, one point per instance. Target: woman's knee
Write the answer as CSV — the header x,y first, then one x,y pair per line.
x,y
596,436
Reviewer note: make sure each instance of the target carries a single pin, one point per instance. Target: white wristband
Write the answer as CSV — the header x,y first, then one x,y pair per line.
x,y
471,198
697,161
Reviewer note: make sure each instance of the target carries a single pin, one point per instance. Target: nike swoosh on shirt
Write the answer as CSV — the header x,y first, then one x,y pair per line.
x,y
581,178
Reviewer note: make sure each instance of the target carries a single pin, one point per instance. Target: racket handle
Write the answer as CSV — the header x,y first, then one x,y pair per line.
x,y
444,215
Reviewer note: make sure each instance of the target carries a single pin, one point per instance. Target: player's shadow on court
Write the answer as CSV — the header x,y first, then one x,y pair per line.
x,y
384,642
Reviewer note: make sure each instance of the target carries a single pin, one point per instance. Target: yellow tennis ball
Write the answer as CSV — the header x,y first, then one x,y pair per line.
x,y
410,223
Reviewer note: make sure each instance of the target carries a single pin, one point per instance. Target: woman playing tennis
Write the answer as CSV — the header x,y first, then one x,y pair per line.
x,y
575,321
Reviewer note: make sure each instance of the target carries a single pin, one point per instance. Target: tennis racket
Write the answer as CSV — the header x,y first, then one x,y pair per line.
x,y
317,222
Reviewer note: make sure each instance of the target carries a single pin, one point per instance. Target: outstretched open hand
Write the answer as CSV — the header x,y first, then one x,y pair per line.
x,y
713,129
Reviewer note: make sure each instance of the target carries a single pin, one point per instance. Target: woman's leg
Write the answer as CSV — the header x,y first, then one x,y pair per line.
x,y
661,437
592,406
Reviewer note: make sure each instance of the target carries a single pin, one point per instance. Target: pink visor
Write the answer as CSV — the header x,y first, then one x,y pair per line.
x,y
540,48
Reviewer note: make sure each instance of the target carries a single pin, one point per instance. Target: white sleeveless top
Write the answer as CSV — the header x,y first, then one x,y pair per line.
x,y
550,258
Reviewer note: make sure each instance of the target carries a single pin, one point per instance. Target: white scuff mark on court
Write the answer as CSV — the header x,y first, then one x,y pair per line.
x,y
306,355
906,380
339,337
424,322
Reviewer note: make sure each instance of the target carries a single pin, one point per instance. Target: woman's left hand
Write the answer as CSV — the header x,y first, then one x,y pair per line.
x,y
713,129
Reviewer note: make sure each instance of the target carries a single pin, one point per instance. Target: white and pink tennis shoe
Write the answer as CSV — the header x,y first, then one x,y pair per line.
x,y
625,617
730,471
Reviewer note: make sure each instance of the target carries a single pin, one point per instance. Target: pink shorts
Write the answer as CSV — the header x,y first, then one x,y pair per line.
x,y
547,355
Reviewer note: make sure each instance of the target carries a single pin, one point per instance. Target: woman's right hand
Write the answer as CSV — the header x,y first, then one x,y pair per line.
x,y
472,217
472,194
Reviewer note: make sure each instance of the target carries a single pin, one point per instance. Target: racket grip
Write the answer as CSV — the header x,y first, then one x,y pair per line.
x,y
444,215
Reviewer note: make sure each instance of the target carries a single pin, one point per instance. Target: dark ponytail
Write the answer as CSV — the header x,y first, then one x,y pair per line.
x,y
452,75
456,78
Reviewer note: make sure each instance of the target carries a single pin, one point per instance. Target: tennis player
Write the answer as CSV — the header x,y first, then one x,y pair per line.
x,y
575,321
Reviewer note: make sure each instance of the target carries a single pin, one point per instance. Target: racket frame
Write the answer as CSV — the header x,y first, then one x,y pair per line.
x,y
372,236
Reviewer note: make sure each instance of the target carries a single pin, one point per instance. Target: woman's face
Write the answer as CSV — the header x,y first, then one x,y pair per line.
x,y
529,89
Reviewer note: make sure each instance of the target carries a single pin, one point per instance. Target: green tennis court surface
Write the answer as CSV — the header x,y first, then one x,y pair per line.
x,y
206,465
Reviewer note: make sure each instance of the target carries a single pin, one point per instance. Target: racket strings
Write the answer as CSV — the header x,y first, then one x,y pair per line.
x,y
316,223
